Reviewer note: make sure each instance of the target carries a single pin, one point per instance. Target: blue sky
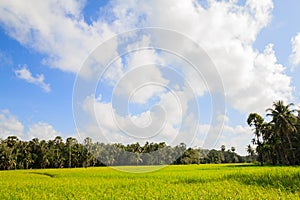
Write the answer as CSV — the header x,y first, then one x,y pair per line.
x,y
43,47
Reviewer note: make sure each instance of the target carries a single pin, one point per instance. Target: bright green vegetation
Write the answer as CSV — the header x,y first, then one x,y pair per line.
x,y
172,182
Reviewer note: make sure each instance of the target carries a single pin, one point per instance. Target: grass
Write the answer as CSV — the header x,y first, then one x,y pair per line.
x,y
171,182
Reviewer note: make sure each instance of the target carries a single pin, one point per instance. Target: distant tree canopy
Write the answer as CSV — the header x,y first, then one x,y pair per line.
x,y
276,141
57,153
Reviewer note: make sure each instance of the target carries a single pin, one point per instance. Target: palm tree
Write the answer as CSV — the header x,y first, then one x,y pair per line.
x,y
13,150
283,121
4,155
58,155
44,154
69,144
223,148
233,149
250,150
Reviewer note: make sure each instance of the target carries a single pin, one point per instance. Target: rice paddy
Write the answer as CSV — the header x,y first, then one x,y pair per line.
x,y
218,181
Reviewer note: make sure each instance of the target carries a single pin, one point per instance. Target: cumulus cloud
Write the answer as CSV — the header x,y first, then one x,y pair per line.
x,y
158,124
252,79
107,126
42,131
39,80
220,30
171,118
295,56
58,30
232,136
10,125
55,29
264,83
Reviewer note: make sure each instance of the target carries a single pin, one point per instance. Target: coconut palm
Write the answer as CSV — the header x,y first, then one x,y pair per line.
x,y
283,121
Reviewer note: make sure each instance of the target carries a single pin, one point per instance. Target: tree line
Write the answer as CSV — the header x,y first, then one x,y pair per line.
x,y
277,139
57,153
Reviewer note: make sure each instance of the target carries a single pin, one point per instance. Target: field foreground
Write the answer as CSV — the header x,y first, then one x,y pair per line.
x,y
171,182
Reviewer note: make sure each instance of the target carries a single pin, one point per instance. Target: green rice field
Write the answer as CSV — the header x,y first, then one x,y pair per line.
x,y
219,181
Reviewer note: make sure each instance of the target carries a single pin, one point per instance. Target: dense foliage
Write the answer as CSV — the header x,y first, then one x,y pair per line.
x,y
17,154
277,141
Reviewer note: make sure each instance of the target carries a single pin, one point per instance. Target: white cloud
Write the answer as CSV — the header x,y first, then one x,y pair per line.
x,y
262,83
54,28
10,125
162,123
227,32
237,136
105,125
26,75
43,131
222,118
224,29
295,56
140,68
140,83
